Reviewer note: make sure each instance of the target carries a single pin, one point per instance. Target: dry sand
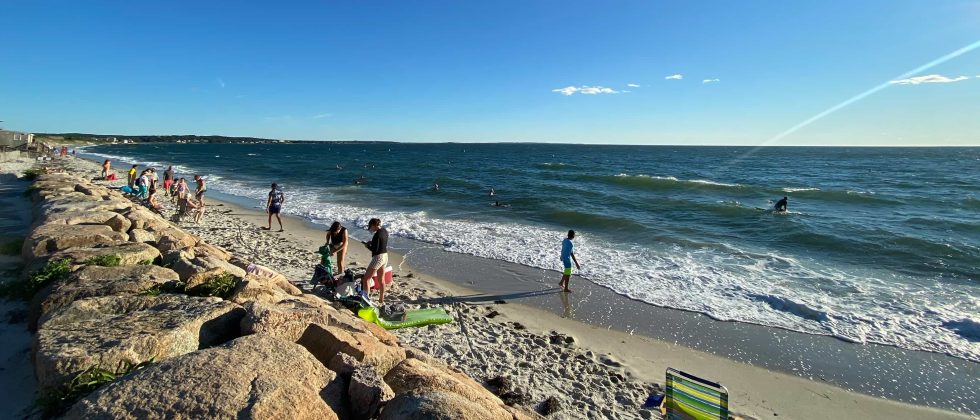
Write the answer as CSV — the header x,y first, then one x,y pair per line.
x,y
593,372
17,384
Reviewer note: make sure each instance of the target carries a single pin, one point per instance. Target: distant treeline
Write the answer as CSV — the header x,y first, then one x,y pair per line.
x,y
157,139
103,138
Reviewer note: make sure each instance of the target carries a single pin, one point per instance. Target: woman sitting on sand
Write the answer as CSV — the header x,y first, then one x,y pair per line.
x,y
151,200
337,240
106,169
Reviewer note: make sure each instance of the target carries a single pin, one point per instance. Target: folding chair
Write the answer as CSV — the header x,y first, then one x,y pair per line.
x,y
689,397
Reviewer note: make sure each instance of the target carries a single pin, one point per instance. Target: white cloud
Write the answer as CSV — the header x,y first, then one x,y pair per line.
x,y
221,83
585,90
634,85
324,115
710,81
932,78
677,76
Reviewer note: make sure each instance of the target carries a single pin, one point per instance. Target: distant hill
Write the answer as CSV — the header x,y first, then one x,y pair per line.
x,y
160,139
189,138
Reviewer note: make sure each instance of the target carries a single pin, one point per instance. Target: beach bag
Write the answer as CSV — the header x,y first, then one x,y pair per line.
x,y
347,289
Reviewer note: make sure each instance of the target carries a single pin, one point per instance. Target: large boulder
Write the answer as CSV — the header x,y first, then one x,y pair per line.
x,y
325,343
140,235
414,375
94,281
253,377
252,289
186,263
114,220
174,239
143,218
48,239
367,392
110,331
129,253
438,405
78,202
287,320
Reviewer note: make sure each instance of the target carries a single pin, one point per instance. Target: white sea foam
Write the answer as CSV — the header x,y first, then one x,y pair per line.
x,y
789,189
726,283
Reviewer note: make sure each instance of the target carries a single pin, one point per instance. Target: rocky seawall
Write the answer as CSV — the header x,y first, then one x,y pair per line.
x,y
135,317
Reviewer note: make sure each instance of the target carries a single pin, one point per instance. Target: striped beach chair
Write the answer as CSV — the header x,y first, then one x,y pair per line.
x,y
689,397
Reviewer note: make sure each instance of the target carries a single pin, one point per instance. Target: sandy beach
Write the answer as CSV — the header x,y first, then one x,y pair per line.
x,y
592,372
17,384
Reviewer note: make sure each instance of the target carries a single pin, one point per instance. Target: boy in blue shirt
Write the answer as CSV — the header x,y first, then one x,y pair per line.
x,y
567,257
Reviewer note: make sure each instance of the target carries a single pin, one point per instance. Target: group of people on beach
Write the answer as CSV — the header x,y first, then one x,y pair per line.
x,y
335,246
144,187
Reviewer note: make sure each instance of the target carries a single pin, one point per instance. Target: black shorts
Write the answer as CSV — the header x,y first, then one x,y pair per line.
x,y
274,209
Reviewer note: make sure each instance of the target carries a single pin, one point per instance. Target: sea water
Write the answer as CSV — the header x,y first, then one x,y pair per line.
x,y
879,245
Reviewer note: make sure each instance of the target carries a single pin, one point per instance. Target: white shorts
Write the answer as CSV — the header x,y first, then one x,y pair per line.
x,y
378,261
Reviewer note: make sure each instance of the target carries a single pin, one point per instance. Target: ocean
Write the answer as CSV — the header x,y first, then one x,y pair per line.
x,y
880,245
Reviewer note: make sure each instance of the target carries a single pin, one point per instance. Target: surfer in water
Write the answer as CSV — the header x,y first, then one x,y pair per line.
x,y
781,205
492,192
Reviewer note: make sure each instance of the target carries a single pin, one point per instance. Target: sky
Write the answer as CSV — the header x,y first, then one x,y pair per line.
x,y
621,72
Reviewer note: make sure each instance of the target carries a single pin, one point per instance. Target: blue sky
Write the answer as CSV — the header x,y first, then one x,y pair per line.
x,y
551,71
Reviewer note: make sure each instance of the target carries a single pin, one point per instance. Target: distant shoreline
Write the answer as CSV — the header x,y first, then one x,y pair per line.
x,y
99,139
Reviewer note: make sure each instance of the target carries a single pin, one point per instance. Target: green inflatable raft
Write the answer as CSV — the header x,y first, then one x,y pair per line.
x,y
413,318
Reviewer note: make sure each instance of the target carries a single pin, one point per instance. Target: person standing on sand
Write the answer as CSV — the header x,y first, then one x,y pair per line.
x,y
106,169
567,257
274,205
379,259
201,188
132,177
168,180
337,239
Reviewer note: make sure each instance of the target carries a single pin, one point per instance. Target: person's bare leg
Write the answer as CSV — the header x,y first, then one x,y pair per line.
x,y
563,284
280,222
380,274
340,260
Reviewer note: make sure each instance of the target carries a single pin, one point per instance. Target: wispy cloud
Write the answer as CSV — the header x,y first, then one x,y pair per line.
x,y
321,116
221,83
632,85
932,78
705,81
585,90
677,76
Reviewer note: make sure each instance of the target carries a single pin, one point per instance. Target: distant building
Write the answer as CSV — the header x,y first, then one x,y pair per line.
x,y
15,139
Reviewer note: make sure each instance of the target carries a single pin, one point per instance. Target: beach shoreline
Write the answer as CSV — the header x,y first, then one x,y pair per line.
x,y
772,393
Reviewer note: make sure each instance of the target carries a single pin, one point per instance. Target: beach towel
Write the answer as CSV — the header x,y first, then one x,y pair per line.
x,y
126,189
413,318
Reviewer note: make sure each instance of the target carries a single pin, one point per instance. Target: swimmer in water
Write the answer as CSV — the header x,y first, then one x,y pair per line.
x,y
492,192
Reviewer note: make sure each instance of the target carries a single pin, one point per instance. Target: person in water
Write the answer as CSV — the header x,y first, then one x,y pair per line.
x,y
379,259
274,205
337,239
781,205
492,192
567,257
